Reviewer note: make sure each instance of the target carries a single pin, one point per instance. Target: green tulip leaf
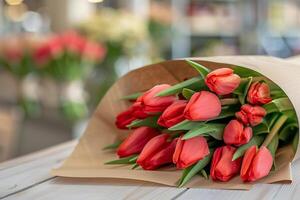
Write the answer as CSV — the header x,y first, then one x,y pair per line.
x,y
262,128
204,174
243,88
271,118
295,142
191,171
288,131
273,145
126,160
135,165
203,71
196,83
255,140
214,130
114,145
244,72
132,96
278,105
185,125
149,121
187,93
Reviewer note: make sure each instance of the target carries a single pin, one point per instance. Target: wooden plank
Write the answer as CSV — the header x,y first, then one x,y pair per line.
x,y
28,178
28,171
38,154
62,188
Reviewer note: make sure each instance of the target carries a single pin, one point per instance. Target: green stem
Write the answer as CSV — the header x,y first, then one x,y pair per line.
x,y
275,130
229,101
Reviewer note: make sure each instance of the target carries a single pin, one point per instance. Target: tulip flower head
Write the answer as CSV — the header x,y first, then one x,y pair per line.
x,y
151,104
202,106
259,93
256,163
222,81
222,167
251,115
173,114
136,141
126,117
190,151
157,152
236,134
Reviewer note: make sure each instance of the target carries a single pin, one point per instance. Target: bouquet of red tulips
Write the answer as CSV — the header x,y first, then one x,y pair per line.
x,y
220,124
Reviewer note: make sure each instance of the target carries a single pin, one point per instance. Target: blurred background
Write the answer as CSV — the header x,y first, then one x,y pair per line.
x,y
58,57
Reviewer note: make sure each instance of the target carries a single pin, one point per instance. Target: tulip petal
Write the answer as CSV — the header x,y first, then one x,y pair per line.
x,y
154,145
261,164
247,160
202,106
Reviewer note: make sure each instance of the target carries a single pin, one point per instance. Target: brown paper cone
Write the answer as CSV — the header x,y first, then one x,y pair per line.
x,y
88,157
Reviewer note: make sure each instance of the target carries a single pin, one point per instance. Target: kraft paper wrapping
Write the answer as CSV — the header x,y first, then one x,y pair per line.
x,y
87,160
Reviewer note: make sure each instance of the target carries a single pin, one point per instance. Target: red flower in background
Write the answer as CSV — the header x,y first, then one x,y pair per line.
x,y
157,152
259,93
151,104
256,164
71,42
173,114
251,115
48,50
188,152
222,81
222,167
202,106
136,141
236,134
94,51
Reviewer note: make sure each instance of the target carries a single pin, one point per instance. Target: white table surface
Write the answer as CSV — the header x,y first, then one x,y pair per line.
x,y
28,177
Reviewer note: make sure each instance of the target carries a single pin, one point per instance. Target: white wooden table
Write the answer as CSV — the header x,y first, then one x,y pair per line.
x,y
29,177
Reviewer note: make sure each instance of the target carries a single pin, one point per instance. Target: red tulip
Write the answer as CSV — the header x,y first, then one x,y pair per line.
x,y
236,134
125,118
222,167
136,141
251,115
202,106
173,114
188,152
151,104
256,164
259,93
157,152
222,81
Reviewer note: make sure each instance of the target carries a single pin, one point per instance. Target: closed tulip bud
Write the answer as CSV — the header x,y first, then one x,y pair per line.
x,y
259,93
256,164
152,104
236,134
202,106
157,152
190,151
251,115
173,114
222,167
136,141
222,81
125,118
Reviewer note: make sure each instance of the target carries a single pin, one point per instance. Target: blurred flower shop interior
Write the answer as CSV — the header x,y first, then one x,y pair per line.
x,y
58,57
